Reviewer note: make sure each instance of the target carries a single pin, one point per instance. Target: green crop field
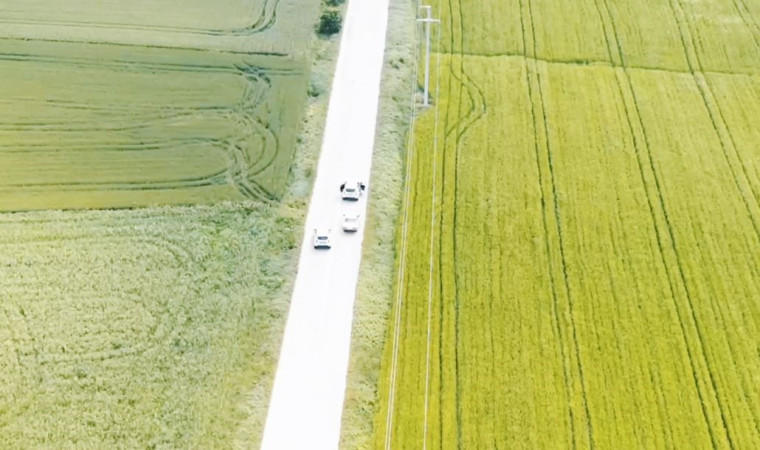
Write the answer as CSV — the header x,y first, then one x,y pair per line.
x,y
87,125
248,26
582,257
205,107
157,326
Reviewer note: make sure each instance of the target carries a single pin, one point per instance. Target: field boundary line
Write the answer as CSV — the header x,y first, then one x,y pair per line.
x,y
432,234
400,280
588,62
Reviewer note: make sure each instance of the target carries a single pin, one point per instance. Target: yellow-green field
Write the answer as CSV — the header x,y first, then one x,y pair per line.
x,y
595,249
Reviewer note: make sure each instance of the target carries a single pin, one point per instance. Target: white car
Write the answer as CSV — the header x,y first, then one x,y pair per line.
x,y
350,222
322,238
352,190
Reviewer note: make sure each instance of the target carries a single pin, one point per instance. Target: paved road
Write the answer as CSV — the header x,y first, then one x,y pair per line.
x,y
307,399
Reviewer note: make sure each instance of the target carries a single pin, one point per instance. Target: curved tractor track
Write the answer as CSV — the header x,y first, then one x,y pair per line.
x,y
247,141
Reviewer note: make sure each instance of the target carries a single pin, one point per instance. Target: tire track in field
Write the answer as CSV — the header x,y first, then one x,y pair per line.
x,y
447,129
671,235
104,233
265,19
715,113
100,233
73,105
26,399
650,202
241,169
458,127
451,121
156,332
744,12
245,169
560,235
688,32
545,228
721,126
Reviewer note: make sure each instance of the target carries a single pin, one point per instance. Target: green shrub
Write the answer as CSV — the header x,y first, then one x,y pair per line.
x,y
329,23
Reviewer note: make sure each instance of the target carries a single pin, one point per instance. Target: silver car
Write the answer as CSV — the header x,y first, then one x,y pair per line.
x,y
322,238
352,190
350,222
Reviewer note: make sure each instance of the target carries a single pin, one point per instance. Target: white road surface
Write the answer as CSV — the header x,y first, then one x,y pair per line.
x,y
309,387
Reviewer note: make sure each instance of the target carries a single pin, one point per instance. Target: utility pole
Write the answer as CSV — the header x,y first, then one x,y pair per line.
x,y
427,21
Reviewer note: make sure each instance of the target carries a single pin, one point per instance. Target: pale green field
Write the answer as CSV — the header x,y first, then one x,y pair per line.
x,y
193,15
246,26
133,329
88,126
153,327
143,103
596,239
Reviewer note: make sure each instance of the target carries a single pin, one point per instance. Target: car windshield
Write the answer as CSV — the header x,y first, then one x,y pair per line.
x,y
350,189
322,237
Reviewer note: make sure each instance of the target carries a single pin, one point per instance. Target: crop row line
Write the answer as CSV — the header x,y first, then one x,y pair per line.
x,y
457,127
673,241
545,226
241,168
714,111
441,308
560,235
449,129
718,118
744,12
647,189
432,240
721,127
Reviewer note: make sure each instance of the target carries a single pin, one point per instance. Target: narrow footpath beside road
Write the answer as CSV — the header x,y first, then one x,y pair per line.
x,y
307,400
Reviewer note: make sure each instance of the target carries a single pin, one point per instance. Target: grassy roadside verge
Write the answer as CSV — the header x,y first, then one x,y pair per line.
x,y
324,51
376,275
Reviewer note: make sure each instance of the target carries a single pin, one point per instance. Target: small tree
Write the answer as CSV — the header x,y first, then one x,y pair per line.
x,y
335,2
329,23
